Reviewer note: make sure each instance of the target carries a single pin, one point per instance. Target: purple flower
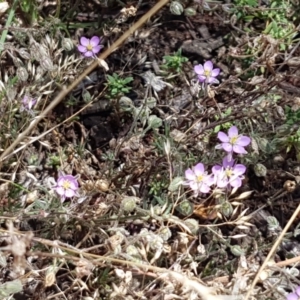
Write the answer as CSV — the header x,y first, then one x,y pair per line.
x,y
295,295
206,73
66,186
198,180
89,47
229,174
233,142
28,103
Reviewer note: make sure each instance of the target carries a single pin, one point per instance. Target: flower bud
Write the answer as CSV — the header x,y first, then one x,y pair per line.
x,y
128,204
67,44
260,170
11,93
193,225
186,208
236,250
176,8
39,72
24,53
46,63
132,251
226,209
165,233
190,12
102,185
22,74
154,121
34,51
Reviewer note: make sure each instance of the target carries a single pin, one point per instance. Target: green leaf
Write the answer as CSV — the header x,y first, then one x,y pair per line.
x,y
175,184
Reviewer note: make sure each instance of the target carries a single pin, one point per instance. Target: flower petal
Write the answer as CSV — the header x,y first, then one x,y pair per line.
x,y
60,191
69,193
199,169
204,188
223,137
73,185
194,185
227,147
222,182
199,69
81,49
292,296
216,169
95,40
243,141
239,149
237,182
88,54
212,80
84,41
209,180
190,175
239,169
233,132
208,66
96,49
215,72
226,162
202,78
61,180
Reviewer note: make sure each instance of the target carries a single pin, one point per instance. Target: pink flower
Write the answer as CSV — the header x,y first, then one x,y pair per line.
x,y
206,73
198,180
229,174
28,103
233,142
295,295
89,47
66,186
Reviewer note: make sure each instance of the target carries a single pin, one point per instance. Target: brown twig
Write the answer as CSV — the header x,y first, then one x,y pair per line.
x,y
66,90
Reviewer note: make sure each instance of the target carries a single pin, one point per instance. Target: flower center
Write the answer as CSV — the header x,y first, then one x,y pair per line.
x,y
233,140
228,172
207,73
66,185
89,47
200,178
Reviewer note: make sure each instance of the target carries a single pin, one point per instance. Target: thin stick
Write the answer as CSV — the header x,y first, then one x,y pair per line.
x,y
67,90
272,251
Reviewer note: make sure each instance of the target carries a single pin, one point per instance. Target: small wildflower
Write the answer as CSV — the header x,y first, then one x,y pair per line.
x,y
28,103
198,179
233,142
295,295
229,174
89,47
206,73
66,186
